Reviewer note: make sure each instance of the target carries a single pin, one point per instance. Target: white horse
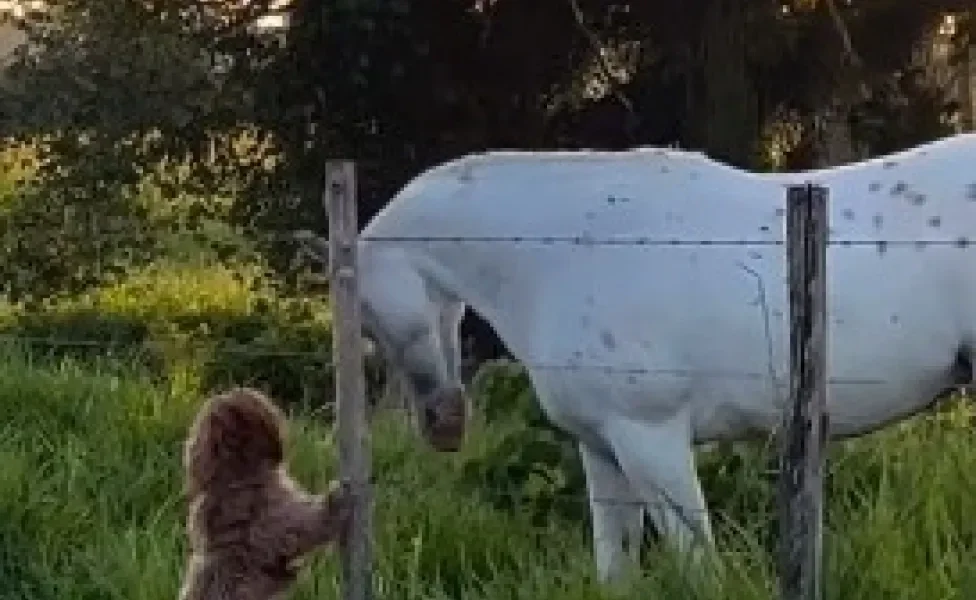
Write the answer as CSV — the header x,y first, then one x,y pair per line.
x,y
641,351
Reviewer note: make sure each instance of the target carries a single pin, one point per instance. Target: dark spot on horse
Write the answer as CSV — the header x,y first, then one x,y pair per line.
x,y
608,340
899,188
632,380
894,319
874,186
847,214
918,199
754,255
971,192
935,221
764,229
882,247
779,212
878,221
962,242
611,200
889,164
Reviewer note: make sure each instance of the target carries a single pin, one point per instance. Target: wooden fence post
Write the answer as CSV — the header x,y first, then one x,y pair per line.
x,y
805,420
353,432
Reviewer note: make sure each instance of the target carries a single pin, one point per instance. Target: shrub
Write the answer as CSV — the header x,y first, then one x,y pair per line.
x,y
534,466
206,326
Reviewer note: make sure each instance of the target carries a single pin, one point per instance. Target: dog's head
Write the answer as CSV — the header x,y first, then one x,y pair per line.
x,y
236,434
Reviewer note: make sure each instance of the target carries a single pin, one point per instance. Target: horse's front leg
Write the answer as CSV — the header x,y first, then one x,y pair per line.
x,y
617,513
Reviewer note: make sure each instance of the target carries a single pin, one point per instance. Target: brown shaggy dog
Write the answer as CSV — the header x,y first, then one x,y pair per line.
x,y
249,523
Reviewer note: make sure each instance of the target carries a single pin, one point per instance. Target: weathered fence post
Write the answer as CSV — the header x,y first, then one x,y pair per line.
x,y
805,422
340,206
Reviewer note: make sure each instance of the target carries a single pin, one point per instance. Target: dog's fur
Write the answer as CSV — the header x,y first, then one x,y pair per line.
x,y
249,522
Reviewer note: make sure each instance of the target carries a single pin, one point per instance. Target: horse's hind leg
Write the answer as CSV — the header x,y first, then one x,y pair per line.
x,y
618,514
658,460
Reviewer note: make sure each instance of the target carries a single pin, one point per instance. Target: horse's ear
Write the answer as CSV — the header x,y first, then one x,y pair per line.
x,y
313,245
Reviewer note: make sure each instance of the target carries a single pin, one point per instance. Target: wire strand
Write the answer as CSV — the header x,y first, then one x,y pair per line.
x,y
231,346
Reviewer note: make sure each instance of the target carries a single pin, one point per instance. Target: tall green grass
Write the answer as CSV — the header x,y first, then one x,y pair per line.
x,y
90,508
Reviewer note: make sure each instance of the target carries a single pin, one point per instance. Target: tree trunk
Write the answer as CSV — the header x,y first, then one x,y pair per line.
x,y
835,145
969,89
724,119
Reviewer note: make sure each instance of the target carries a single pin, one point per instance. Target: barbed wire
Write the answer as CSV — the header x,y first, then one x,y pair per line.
x,y
582,240
385,483
223,345
281,237
134,228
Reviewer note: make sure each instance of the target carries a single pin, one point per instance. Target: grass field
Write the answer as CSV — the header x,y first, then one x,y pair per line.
x,y
90,508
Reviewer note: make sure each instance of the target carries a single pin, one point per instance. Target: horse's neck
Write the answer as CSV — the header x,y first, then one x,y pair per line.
x,y
488,279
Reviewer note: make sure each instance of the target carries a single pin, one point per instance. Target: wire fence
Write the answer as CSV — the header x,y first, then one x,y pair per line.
x,y
13,233
108,232
232,346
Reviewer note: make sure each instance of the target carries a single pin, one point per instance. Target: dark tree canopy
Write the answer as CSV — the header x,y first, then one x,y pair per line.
x,y
119,88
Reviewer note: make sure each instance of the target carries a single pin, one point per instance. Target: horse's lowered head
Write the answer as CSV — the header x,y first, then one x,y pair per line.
x,y
403,315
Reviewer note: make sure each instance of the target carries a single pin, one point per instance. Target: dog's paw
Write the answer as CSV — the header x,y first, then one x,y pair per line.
x,y
340,500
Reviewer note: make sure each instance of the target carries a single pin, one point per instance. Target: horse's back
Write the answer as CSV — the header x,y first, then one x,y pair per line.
x,y
679,194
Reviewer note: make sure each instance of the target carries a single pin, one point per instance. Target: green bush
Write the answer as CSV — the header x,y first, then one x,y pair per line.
x,y
206,326
533,467
54,245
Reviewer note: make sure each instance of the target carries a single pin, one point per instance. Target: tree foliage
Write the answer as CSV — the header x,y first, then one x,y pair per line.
x,y
403,84
190,94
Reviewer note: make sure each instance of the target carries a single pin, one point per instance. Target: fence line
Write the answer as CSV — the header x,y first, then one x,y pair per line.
x,y
806,240
799,565
245,349
121,227
577,240
251,234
